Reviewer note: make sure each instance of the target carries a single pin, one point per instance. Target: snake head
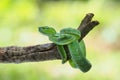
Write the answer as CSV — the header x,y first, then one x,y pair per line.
x,y
47,30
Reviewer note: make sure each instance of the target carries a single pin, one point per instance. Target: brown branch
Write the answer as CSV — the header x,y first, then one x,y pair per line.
x,y
87,25
14,54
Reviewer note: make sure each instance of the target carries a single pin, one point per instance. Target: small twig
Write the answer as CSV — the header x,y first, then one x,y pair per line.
x,y
14,54
87,25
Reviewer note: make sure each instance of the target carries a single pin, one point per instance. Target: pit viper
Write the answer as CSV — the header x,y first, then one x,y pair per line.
x,y
69,37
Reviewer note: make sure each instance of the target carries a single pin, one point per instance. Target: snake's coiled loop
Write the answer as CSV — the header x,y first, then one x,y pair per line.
x,y
69,37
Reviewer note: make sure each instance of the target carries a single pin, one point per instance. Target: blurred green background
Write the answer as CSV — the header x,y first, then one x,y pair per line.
x,y
19,22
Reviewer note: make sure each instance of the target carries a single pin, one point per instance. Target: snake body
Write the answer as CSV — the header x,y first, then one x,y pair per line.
x,y
56,38
69,37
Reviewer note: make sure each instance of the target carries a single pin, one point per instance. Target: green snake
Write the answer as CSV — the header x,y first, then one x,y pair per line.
x,y
69,37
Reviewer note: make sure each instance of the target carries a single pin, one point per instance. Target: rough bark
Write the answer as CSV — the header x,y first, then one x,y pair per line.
x,y
14,54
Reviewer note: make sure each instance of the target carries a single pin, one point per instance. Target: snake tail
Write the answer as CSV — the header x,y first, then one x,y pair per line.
x,y
77,57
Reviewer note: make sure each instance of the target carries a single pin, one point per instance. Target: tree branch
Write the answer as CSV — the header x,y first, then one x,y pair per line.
x,y
14,54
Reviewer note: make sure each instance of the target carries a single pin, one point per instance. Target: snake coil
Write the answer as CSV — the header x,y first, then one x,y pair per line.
x,y
69,37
